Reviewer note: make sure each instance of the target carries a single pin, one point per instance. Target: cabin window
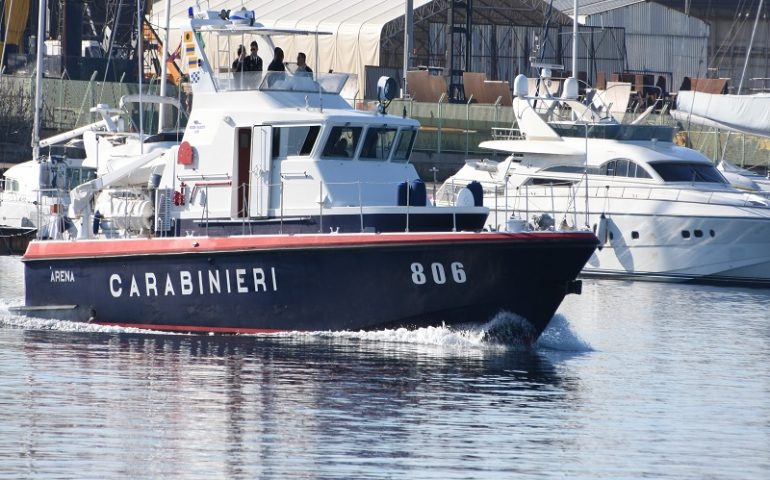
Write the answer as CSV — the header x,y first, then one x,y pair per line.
x,y
294,141
570,169
378,143
404,146
342,142
11,185
688,172
78,176
555,182
623,167
637,171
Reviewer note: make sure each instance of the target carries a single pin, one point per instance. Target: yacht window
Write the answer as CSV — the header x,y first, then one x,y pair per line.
x,y
404,146
637,171
571,169
688,172
623,167
556,182
294,141
342,142
378,143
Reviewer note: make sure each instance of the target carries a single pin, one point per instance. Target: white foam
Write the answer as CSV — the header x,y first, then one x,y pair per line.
x,y
7,319
559,335
499,333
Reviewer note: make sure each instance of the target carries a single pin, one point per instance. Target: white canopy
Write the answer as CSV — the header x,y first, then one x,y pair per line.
x,y
356,26
740,113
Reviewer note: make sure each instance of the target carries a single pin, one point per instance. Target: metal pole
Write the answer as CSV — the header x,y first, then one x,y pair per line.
x,y
5,40
39,80
585,175
140,41
408,200
163,66
281,227
574,38
361,206
751,44
467,122
408,26
440,121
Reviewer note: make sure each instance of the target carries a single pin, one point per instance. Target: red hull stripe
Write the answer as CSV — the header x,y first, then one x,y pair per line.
x,y
97,248
188,328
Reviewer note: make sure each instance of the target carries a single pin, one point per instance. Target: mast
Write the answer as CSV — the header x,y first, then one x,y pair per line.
x,y
164,66
408,26
39,80
140,41
751,45
574,38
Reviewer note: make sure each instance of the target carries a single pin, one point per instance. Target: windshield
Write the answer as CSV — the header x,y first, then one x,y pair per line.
x,y
378,143
614,131
342,142
688,172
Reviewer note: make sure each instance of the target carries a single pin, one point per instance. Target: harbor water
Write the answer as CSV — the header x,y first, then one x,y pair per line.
x,y
630,380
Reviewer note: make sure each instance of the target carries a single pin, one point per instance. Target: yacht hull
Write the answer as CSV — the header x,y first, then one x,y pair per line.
x,y
682,248
256,284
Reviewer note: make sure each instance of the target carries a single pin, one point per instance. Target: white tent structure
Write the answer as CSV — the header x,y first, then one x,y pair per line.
x,y
356,27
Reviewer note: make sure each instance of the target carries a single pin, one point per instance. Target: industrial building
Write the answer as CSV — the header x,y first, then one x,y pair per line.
x,y
694,38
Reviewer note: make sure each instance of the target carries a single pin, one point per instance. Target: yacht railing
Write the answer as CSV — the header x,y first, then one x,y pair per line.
x,y
281,82
332,198
566,201
506,134
51,212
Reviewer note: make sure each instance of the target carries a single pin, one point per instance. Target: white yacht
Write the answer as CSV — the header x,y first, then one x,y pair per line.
x,y
661,211
36,193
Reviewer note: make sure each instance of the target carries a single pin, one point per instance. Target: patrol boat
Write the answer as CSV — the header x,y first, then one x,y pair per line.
x,y
263,219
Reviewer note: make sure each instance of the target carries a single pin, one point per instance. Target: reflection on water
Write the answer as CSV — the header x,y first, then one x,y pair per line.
x,y
257,406
630,380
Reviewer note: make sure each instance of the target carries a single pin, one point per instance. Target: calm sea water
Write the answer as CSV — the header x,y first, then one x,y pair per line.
x,y
631,380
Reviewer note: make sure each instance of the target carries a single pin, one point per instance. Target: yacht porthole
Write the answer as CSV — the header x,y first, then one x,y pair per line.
x,y
711,232
635,235
685,234
698,233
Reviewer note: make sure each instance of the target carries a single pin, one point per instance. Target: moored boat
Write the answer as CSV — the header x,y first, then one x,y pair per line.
x,y
661,211
14,240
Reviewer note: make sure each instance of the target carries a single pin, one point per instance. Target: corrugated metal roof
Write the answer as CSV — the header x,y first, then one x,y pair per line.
x,y
590,7
660,40
306,14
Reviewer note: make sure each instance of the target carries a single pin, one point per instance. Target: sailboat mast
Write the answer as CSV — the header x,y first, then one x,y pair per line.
x,y
39,80
574,38
140,42
164,65
751,44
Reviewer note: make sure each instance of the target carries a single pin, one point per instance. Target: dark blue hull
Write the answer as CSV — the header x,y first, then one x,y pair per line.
x,y
307,283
